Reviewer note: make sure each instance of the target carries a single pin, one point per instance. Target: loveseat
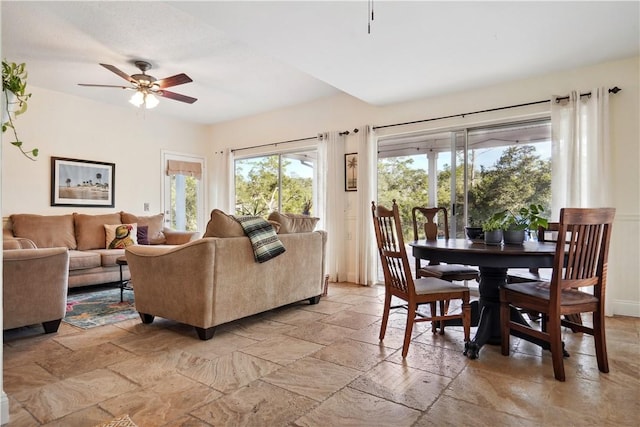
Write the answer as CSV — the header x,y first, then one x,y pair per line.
x,y
216,279
85,237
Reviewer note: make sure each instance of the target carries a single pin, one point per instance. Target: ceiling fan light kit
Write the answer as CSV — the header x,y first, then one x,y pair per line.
x,y
147,87
141,98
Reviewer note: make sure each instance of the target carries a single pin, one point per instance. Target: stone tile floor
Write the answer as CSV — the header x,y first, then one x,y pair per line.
x,y
312,365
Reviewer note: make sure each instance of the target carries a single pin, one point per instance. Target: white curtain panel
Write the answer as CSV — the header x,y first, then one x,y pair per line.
x,y
366,252
581,151
331,202
223,181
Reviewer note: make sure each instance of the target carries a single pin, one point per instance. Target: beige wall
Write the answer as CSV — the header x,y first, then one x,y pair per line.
x,y
66,126
343,112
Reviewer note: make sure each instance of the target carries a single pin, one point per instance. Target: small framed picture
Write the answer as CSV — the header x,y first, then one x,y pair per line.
x,y
351,172
82,183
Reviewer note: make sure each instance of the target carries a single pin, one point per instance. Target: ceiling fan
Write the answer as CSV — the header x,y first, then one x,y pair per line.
x,y
147,86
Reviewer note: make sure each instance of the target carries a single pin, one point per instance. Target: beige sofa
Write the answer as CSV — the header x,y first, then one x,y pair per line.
x,y
215,280
34,285
90,262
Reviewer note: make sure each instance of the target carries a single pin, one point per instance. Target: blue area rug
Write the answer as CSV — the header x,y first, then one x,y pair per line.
x,y
91,308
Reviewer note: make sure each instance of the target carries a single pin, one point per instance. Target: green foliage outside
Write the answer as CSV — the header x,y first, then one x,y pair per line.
x,y
518,179
399,180
257,191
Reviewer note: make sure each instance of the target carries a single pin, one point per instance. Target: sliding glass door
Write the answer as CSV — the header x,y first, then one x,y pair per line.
x,y
473,172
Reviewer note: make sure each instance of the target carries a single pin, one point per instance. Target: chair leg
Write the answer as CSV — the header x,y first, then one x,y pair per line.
x,y
600,341
434,311
555,339
385,314
505,329
411,317
444,308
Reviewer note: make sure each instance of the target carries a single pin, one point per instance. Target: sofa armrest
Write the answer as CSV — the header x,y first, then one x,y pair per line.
x,y
34,286
174,282
175,237
9,243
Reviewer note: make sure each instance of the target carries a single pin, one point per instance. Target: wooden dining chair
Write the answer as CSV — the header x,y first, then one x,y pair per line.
x,y
399,282
545,234
580,261
426,219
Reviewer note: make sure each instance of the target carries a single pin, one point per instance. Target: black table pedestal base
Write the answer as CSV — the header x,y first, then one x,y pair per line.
x,y
493,262
489,328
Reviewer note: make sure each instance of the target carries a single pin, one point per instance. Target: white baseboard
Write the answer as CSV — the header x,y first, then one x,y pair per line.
x,y
4,409
626,308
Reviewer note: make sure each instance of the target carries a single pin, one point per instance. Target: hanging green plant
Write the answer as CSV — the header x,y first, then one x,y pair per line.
x,y
14,89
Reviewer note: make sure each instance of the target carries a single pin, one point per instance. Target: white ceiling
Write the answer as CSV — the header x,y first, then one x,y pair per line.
x,y
250,57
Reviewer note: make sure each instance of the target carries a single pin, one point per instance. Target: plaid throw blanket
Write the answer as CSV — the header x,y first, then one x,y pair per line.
x,y
264,240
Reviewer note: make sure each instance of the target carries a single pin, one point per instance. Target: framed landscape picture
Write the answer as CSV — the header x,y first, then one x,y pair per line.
x,y
351,172
82,183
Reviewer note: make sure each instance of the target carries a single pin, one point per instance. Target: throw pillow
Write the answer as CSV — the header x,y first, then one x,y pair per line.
x,y
293,223
120,236
90,229
154,222
143,235
275,225
223,225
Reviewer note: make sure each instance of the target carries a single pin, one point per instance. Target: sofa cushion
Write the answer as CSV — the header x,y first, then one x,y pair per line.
x,y
223,225
46,231
90,229
120,236
155,224
108,257
293,223
83,260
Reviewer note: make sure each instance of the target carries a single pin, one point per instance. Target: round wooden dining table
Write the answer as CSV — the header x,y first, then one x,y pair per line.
x,y
493,261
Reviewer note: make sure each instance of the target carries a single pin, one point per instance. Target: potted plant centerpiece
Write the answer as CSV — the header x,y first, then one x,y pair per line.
x,y
516,224
14,100
493,227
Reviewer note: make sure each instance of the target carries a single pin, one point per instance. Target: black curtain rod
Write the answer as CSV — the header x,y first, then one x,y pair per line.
x,y
613,90
274,143
346,132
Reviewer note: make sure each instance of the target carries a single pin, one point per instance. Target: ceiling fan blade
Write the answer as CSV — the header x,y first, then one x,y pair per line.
x,y
92,85
176,96
119,72
178,79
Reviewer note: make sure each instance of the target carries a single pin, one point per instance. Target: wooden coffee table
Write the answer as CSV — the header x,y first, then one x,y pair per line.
x,y
124,284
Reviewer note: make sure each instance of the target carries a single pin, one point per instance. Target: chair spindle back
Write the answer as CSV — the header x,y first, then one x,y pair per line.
x,y
582,259
393,253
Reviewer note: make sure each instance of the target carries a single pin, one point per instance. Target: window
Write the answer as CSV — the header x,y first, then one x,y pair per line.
x,y
275,182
